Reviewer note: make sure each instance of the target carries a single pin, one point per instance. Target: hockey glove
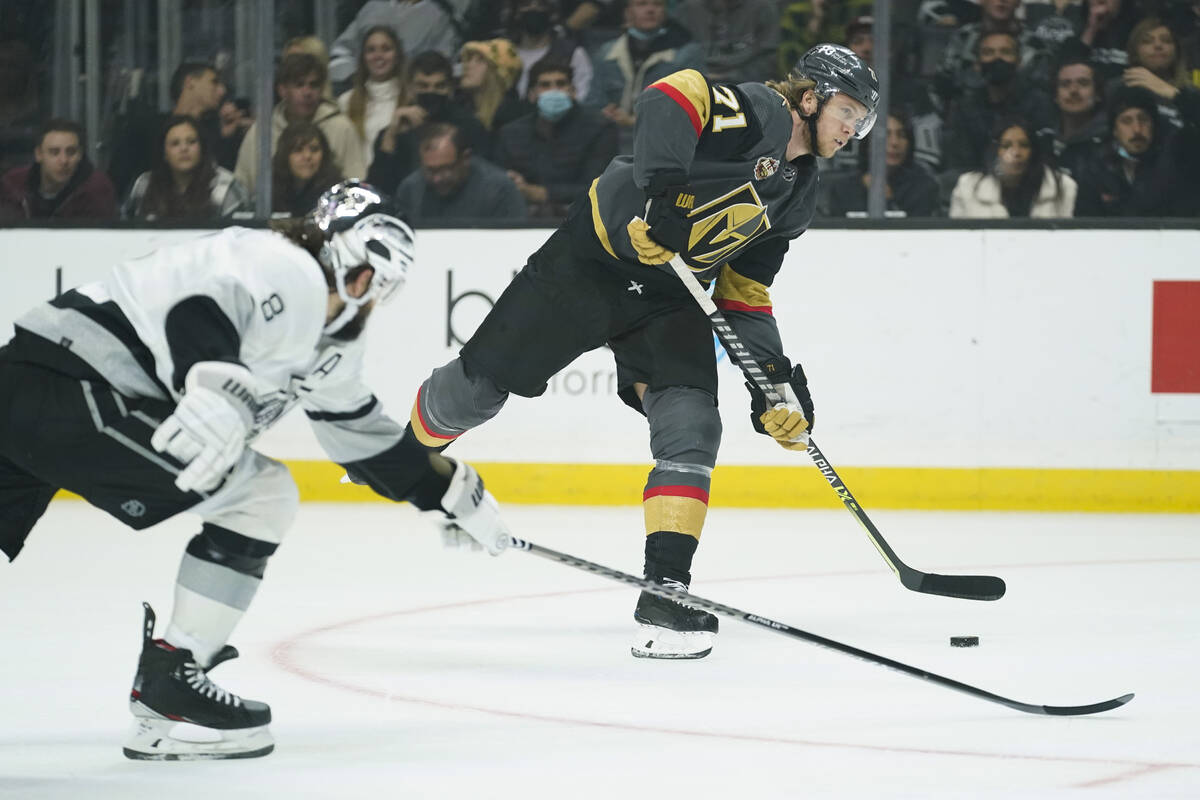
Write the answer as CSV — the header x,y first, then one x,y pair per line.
x,y
649,252
791,421
470,515
208,429
666,229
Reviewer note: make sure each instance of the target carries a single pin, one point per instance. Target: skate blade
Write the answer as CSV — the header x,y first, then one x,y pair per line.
x,y
168,740
654,642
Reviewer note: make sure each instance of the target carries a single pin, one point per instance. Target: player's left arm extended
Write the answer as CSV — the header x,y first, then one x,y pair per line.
x,y
351,425
742,293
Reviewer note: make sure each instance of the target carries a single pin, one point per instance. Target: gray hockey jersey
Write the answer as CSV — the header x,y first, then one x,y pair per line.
x,y
729,144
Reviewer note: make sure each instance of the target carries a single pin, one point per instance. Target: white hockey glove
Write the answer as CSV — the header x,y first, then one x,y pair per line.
x,y
471,515
208,429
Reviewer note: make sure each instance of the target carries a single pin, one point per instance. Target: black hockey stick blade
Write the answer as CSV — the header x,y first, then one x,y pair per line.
x,y
966,587
1094,708
963,587
821,641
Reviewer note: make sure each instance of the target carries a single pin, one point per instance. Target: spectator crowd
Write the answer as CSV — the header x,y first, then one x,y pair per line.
x,y
468,109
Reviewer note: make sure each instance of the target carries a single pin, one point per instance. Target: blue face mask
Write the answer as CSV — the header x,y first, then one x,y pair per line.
x,y
645,36
1125,154
553,104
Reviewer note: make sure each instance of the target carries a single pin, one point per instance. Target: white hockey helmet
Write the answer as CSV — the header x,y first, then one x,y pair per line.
x,y
360,231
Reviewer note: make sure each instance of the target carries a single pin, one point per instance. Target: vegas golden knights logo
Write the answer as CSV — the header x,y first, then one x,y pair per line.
x,y
721,227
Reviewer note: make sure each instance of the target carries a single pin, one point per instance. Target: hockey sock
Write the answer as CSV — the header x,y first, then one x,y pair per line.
x,y
669,555
674,505
218,577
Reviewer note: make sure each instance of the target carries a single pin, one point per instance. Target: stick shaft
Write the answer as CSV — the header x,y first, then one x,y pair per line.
x,y
797,633
968,587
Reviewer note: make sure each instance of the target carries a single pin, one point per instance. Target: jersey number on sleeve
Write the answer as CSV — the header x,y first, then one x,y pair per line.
x,y
272,307
725,96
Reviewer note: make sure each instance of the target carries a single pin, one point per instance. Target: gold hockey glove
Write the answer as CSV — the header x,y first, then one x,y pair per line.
x,y
649,251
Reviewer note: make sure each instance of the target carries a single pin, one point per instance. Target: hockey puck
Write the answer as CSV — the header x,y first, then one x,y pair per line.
x,y
964,641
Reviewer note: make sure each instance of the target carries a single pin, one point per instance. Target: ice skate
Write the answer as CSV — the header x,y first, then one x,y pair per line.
x,y
668,629
181,715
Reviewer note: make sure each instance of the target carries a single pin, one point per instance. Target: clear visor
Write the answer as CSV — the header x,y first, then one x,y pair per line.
x,y
850,111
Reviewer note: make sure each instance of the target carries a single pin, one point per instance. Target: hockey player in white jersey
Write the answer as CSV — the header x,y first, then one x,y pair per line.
x,y
141,393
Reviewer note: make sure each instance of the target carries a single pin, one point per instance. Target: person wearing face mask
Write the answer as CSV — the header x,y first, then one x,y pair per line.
x,y
958,73
651,48
431,91
1003,93
534,31
1016,180
552,154
1148,168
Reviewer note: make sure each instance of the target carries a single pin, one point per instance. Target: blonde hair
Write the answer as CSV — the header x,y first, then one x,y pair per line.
x,y
487,98
314,47
1179,76
503,69
793,88
356,108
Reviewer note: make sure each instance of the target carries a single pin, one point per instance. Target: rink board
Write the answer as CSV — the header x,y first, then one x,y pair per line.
x,y
1000,369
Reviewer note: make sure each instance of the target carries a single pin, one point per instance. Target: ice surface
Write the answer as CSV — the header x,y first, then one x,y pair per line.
x,y
395,668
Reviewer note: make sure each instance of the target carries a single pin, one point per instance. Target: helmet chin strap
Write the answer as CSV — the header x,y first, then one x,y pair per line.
x,y
353,304
342,319
811,119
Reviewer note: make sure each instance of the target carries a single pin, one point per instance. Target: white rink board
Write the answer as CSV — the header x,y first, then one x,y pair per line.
x,y
923,348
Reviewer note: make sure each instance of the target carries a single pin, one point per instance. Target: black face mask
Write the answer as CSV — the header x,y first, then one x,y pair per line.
x,y
433,102
998,72
535,22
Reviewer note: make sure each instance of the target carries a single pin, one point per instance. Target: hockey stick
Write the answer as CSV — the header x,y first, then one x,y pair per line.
x,y
967,587
821,641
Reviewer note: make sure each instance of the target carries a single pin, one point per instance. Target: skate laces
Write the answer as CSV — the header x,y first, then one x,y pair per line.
x,y
678,586
195,676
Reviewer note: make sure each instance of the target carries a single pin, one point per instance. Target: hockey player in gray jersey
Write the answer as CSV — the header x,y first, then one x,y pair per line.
x,y
725,176
141,393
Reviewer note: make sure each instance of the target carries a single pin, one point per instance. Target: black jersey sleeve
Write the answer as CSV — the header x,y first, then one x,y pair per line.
x,y
198,330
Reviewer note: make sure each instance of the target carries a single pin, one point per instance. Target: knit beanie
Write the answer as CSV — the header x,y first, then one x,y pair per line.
x,y
501,54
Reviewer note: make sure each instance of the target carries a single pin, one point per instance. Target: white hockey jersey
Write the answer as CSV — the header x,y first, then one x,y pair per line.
x,y
274,297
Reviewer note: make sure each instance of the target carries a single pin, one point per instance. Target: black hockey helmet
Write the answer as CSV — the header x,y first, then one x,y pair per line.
x,y
839,69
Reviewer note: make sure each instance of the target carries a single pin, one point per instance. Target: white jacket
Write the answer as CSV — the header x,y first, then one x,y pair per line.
x,y
977,196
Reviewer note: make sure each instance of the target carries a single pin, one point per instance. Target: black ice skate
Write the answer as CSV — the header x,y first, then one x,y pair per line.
x,y
667,629
181,715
